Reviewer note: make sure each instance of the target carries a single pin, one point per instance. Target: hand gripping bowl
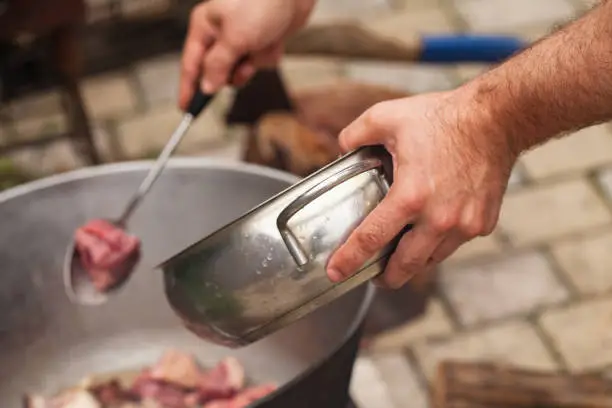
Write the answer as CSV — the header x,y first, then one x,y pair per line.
x,y
267,269
47,343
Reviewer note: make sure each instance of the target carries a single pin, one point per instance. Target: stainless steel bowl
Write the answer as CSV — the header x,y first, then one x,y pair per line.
x,y
266,269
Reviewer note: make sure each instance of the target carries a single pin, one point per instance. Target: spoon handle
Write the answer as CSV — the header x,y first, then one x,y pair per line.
x,y
199,101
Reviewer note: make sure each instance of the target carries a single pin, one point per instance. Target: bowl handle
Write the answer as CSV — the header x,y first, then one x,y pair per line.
x,y
292,243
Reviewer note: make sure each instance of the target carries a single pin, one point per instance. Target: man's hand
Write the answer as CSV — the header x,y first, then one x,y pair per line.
x,y
223,31
450,174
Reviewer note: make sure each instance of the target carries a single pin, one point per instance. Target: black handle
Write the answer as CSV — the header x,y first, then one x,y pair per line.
x,y
199,102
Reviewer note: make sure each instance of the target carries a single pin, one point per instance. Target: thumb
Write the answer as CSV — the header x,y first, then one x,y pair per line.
x,y
367,129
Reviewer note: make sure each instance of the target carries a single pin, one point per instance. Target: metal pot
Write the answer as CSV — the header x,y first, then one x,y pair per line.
x,y
266,269
47,343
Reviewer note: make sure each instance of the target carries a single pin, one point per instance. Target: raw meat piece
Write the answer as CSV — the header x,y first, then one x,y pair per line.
x,y
111,394
166,394
177,368
244,398
175,381
224,380
107,252
67,399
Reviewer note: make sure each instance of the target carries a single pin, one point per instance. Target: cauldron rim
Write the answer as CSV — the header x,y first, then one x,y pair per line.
x,y
127,166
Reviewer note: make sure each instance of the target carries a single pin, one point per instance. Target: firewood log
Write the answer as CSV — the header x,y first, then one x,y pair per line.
x,y
351,40
305,140
476,385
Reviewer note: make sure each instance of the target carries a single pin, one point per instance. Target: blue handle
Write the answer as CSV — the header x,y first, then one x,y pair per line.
x,y
469,48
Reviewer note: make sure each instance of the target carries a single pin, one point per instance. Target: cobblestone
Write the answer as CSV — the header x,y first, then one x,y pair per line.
x,y
573,154
587,262
582,333
147,134
386,381
513,342
109,96
512,17
410,78
534,215
159,79
486,292
434,323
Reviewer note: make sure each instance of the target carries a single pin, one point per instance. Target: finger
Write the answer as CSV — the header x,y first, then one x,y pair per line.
x,y
367,129
411,255
200,36
244,72
447,247
270,57
218,65
378,228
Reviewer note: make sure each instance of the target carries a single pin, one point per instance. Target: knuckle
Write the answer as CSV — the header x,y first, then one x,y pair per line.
x,y
413,201
444,220
368,239
473,228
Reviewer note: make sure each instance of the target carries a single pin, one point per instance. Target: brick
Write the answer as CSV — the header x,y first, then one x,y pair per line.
x,y
582,333
604,179
407,25
143,8
416,4
54,158
367,386
516,178
579,152
145,135
109,96
515,343
466,72
480,246
301,72
401,380
511,17
535,215
513,285
44,103
586,262
37,127
386,381
159,79
106,143
588,3
36,116
409,78
326,11
434,322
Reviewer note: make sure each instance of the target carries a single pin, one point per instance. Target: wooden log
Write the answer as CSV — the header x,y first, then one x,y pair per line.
x,y
352,41
480,385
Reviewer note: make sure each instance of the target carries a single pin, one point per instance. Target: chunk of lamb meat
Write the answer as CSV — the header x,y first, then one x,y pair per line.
x,y
177,368
68,399
244,398
107,253
222,381
176,381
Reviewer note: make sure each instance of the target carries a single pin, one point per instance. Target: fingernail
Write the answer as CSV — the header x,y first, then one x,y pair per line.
x,y
334,275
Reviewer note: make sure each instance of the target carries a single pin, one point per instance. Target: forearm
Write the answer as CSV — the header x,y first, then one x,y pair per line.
x,y
561,83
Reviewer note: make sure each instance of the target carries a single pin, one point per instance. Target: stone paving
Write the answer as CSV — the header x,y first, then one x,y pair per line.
x,y
536,293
